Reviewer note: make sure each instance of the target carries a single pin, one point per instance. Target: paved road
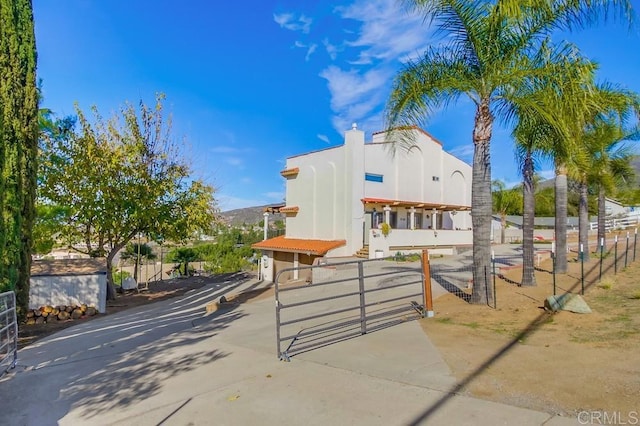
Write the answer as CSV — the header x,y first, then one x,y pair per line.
x,y
169,364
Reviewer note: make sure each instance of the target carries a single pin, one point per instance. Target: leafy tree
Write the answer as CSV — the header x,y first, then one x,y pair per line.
x,y
49,219
504,200
121,177
137,252
489,52
611,156
535,135
18,146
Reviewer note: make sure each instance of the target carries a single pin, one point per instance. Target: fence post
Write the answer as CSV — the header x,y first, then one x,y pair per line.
x,y
601,257
582,269
553,262
428,297
615,255
278,344
626,251
363,315
635,240
493,265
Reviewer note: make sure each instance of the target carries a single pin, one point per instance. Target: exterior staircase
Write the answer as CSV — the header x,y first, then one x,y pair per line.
x,y
363,252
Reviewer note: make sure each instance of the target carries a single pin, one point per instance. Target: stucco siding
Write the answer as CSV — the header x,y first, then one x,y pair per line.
x,y
69,290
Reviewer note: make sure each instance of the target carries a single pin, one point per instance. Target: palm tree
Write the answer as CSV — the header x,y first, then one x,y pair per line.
x,y
184,255
529,133
504,201
487,55
611,159
607,101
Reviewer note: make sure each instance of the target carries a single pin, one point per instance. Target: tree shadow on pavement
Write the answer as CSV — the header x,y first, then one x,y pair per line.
x,y
114,362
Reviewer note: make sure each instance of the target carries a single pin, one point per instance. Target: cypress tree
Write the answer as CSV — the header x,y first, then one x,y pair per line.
x,y
18,145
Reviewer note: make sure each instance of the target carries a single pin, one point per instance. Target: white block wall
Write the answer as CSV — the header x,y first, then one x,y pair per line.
x,y
58,290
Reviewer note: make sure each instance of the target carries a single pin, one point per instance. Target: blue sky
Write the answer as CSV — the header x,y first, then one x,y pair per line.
x,y
252,84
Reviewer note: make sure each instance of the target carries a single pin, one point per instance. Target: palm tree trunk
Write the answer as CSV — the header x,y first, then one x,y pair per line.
x,y
503,224
561,218
601,216
481,205
583,221
528,271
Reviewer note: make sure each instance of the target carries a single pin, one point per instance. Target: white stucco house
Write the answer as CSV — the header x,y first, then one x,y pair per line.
x,y
338,198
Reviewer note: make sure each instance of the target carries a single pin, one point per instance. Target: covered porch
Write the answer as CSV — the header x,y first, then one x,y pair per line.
x,y
392,226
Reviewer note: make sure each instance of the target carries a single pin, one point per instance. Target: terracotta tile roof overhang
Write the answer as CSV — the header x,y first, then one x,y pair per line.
x,y
289,209
274,208
298,245
416,204
290,172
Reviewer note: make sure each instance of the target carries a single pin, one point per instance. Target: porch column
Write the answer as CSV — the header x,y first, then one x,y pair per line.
x,y
295,266
387,215
265,226
434,219
412,217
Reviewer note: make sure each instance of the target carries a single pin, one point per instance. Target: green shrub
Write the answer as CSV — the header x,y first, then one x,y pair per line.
x,y
119,276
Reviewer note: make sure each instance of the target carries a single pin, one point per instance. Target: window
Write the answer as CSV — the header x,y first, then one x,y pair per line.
x,y
373,177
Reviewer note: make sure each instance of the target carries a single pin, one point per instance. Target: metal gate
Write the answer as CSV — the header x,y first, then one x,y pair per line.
x,y
8,332
331,302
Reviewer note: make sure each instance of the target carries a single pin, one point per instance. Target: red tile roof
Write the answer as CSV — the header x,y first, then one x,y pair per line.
x,y
289,209
290,172
297,245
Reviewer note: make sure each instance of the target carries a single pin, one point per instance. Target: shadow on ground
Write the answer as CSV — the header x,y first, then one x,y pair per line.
x,y
116,361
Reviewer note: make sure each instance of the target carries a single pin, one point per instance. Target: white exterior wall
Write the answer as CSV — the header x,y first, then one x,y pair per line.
x,y
409,176
330,186
320,180
56,290
328,192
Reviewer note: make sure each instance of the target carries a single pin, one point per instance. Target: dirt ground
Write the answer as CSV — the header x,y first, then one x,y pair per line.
x,y
157,291
563,362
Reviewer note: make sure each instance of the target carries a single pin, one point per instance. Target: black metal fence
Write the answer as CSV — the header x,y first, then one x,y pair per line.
x,y
607,257
343,300
8,332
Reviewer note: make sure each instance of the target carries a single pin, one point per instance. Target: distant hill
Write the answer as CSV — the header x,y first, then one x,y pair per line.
x,y
635,164
249,215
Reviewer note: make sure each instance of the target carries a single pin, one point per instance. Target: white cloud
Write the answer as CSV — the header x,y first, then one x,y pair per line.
x,y
234,161
311,48
292,22
464,152
225,149
386,36
246,180
332,50
323,138
351,87
387,32
310,51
